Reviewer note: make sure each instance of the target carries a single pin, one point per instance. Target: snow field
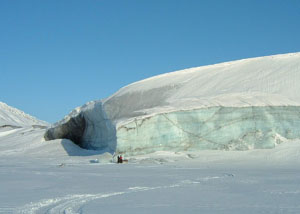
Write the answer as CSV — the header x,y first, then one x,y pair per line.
x,y
58,177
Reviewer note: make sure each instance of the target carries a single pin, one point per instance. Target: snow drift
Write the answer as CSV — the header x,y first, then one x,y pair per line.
x,y
244,104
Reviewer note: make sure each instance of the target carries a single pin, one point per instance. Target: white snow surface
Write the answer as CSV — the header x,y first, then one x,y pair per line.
x,y
38,176
10,116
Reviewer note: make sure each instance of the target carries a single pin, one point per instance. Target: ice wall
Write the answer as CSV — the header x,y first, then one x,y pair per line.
x,y
239,105
225,128
89,128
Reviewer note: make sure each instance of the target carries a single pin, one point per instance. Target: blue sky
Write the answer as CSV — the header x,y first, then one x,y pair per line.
x,y
56,55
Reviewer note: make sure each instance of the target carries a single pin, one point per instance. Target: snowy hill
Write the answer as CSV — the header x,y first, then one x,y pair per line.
x,y
244,104
10,116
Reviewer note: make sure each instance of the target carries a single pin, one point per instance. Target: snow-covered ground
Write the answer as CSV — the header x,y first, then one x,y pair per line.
x,y
38,176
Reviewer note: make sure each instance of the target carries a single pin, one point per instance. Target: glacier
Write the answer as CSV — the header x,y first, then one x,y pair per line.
x,y
240,105
222,128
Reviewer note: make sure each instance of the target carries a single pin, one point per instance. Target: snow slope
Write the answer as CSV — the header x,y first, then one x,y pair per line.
x,y
244,104
10,116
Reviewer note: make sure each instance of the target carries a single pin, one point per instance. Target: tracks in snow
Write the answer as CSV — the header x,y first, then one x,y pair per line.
x,y
6,210
73,204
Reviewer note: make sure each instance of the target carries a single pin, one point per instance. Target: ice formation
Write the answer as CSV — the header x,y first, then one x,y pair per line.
x,y
239,105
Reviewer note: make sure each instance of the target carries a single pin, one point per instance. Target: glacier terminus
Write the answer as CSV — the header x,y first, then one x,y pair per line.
x,y
245,104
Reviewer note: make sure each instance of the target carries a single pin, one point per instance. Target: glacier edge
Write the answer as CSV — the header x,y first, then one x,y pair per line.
x,y
224,128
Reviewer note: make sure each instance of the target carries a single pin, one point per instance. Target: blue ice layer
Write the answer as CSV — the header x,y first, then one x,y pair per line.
x,y
223,128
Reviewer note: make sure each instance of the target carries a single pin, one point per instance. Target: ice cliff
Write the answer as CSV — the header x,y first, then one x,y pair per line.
x,y
244,104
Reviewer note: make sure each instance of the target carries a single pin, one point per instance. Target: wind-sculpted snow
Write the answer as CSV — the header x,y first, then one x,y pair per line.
x,y
239,105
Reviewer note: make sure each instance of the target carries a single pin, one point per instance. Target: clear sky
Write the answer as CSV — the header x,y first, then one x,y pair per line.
x,y
56,55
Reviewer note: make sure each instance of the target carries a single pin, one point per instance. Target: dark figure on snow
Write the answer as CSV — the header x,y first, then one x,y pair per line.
x,y
120,159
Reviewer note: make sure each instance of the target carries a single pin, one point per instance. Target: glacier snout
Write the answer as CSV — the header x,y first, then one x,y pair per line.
x,y
238,105
73,130
89,128
224,128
